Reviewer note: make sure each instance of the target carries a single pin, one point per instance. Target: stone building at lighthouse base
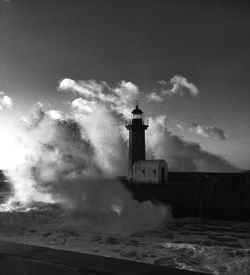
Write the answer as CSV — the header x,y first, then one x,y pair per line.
x,y
150,171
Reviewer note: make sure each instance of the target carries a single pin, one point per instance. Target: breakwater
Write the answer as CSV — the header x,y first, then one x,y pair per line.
x,y
223,196
206,195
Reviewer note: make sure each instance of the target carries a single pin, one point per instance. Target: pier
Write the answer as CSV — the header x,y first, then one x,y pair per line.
x,y
21,259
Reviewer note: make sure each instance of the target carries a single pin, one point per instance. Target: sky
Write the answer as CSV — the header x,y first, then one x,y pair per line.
x,y
189,59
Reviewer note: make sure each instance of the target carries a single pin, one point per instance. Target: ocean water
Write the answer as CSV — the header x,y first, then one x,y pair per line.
x,y
216,247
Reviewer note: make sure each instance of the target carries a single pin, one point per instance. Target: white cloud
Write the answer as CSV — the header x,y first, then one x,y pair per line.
x,y
73,86
208,131
90,89
82,105
126,91
154,97
178,85
118,98
5,101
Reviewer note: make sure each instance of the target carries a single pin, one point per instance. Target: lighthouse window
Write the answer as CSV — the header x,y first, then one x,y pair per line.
x,y
137,116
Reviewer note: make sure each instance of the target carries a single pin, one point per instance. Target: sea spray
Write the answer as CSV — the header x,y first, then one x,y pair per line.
x,y
102,205
74,167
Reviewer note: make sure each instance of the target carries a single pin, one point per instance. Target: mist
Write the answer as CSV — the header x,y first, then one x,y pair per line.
x,y
181,155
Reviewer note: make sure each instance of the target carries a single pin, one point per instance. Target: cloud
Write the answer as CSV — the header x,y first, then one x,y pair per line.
x,y
126,91
180,154
88,88
122,93
208,131
177,85
180,83
154,97
82,105
119,98
5,101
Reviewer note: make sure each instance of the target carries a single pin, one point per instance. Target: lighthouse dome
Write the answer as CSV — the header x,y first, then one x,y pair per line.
x,y
137,111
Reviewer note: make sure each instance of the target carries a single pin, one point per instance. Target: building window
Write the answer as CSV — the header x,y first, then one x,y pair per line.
x,y
143,173
154,171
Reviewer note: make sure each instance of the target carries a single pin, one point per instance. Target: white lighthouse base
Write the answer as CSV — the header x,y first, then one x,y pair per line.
x,y
150,171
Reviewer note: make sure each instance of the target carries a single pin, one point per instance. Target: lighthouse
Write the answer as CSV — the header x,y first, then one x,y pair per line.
x,y
136,127
140,170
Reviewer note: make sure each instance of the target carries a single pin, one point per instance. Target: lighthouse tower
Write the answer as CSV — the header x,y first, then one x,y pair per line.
x,y
136,126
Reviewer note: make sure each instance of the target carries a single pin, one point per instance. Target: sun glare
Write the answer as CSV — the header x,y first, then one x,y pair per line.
x,y
11,153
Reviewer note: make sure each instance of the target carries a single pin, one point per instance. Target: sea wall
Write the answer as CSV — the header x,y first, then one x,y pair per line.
x,y
193,194
20,259
204,195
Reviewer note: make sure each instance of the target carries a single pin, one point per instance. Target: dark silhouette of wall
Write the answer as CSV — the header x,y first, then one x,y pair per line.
x,y
206,195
